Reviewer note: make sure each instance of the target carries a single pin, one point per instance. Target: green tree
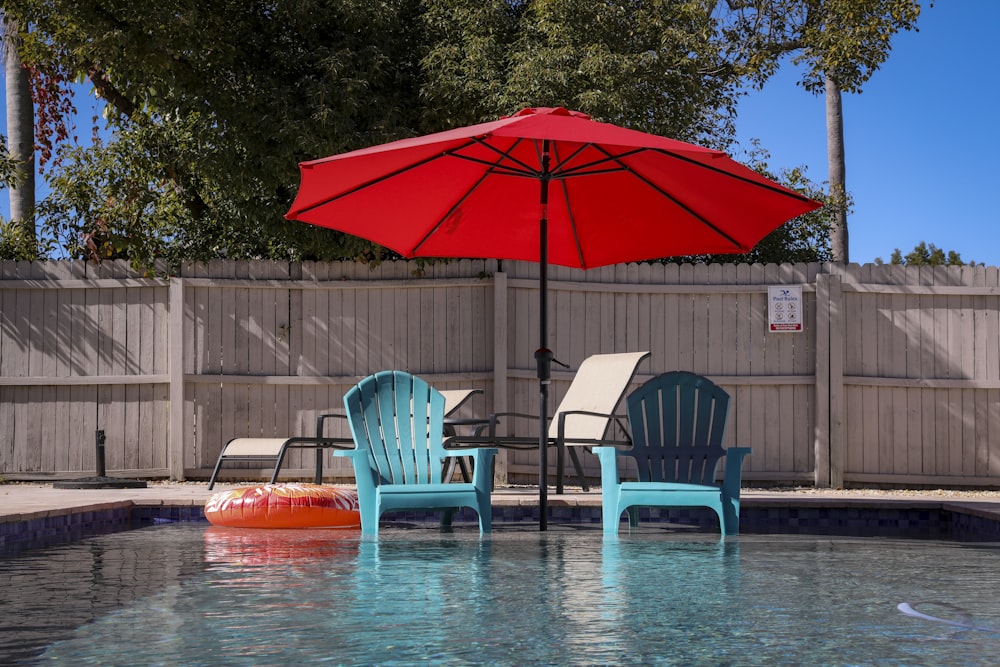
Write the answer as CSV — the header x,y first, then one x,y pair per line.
x,y
8,165
666,67
20,135
840,44
212,106
15,241
924,254
802,239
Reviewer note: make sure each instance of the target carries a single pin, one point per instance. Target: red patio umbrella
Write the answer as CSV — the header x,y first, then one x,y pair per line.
x,y
546,185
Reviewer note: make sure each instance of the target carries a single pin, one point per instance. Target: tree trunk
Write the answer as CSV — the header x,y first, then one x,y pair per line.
x,y
20,132
838,167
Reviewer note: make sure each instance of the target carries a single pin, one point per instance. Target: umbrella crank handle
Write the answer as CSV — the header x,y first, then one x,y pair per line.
x,y
543,360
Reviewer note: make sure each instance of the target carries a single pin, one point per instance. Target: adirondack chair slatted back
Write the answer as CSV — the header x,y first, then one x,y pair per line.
x,y
677,420
399,419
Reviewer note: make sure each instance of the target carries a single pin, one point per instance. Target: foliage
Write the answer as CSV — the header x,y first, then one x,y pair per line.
x,y
848,40
926,255
838,44
802,239
15,242
666,67
8,165
211,105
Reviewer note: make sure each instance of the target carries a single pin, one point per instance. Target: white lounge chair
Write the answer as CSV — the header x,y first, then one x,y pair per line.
x,y
273,450
583,416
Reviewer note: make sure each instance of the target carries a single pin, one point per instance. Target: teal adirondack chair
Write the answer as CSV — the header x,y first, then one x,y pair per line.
x,y
397,422
677,421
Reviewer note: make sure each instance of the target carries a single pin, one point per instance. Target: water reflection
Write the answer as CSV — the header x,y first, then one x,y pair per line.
x,y
46,593
261,547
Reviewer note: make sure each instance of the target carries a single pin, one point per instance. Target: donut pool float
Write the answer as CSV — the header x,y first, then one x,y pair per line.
x,y
284,506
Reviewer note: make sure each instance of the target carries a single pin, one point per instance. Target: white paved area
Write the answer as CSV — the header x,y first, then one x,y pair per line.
x,y
25,500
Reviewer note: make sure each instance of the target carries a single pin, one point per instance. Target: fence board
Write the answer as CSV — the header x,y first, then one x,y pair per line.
x,y
992,435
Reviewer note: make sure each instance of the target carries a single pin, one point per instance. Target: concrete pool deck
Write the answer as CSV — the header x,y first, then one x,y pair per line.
x,y
28,501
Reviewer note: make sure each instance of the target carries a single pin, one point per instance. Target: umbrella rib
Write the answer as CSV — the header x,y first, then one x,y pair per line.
x,y
572,224
569,206
454,207
679,203
374,181
774,187
494,168
777,189
504,155
559,172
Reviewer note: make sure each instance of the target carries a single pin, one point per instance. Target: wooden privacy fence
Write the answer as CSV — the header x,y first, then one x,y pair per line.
x,y
895,378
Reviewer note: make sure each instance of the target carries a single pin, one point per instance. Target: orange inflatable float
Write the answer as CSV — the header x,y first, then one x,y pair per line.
x,y
284,506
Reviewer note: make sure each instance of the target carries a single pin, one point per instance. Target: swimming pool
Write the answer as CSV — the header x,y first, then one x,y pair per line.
x,y
190,594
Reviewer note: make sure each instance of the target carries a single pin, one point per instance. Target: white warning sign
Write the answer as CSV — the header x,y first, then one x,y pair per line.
x,y
784,308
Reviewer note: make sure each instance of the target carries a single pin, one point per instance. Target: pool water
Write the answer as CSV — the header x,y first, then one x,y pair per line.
x,y
190,594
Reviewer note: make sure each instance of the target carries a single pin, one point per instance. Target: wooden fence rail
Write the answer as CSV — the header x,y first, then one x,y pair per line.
x,y
894,380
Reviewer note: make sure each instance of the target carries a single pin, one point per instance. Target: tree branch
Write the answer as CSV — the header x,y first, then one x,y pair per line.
x,y
108,92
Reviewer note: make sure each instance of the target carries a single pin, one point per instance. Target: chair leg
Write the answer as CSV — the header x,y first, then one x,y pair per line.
x,y
319,465
579,469
449,470
633,517
611,521
446,517
731,514
485,520
462,464
369,519
484,509
215,473
722,522
278,462
560,467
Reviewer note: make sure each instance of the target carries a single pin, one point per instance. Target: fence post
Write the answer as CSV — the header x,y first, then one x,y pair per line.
x,y
821,442
175,443
500,327
836,382
829,441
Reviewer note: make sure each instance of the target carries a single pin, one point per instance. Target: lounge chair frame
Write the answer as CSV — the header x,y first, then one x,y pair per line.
x,y
273,450
582,419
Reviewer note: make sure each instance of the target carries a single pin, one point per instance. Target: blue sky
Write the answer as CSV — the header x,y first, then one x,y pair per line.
x,y
922,139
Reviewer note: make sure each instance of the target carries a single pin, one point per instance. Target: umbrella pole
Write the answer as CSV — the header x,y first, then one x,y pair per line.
x,y
543,356
543,360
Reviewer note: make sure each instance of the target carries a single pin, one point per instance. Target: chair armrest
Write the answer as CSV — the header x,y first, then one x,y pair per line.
x,y
482,466
322,418
496,418
470,421
608,457
733,473
364,476
561,428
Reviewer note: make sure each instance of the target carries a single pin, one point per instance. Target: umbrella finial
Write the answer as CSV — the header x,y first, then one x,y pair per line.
x,y
552,111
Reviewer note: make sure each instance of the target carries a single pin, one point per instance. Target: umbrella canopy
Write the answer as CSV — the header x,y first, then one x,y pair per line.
x,y
617,195
546,185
